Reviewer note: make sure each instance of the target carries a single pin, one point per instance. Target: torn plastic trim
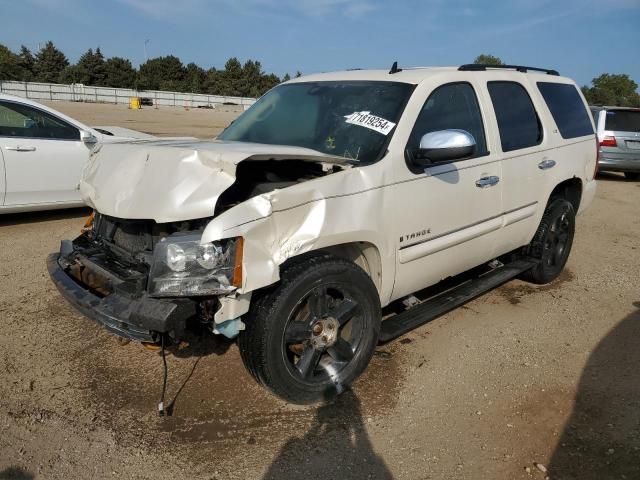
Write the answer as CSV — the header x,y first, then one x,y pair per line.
x,y
232,306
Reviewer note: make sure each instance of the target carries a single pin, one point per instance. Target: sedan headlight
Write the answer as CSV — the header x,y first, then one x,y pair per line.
x,y
184,267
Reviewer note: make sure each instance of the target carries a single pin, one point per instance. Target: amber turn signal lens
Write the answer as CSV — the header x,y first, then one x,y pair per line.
x,y
237,267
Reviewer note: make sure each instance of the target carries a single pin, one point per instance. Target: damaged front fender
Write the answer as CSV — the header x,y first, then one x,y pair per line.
x,y
334,210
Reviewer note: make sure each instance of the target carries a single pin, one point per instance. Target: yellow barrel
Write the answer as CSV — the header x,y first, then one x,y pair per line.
x,y
134,103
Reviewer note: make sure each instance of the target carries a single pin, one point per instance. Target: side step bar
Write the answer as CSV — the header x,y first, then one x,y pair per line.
x,y
446,301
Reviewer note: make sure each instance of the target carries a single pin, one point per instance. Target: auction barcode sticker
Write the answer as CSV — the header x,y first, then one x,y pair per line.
x,y
365,119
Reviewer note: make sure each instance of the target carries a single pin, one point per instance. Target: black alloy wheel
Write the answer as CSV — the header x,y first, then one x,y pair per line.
x,y
312,335
551,244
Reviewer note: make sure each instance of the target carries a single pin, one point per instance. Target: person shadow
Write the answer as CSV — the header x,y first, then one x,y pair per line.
x,y
602,437
335,446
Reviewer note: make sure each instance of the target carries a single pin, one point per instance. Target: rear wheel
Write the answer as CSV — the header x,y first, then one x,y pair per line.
x,y
552,242
314,334
632,175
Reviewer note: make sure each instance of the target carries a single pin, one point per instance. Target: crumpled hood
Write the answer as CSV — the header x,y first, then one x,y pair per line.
x,y
172,180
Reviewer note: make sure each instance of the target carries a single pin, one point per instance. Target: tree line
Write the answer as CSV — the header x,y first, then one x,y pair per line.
x,y
607,89
167,73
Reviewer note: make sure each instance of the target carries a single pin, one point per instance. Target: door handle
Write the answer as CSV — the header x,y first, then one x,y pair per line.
x,y
546,164
21,149
485,182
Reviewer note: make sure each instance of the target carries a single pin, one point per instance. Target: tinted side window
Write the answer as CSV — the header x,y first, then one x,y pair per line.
x,y
452,106
517,118
567,109
17,120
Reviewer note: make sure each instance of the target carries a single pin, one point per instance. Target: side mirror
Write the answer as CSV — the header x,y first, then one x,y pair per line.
x,y
443,146
88,137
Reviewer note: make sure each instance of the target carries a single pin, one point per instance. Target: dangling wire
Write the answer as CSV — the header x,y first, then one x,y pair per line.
x,y
161,410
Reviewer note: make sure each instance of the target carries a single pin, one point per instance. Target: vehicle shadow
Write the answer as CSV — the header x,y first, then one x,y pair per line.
x,y
612,177
335,446
602,437
15,473
44,216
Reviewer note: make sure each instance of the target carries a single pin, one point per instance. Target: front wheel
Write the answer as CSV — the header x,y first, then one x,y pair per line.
x,y
552,242
314,334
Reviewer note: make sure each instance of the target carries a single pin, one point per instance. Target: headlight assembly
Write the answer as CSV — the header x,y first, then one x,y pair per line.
x,y
184,267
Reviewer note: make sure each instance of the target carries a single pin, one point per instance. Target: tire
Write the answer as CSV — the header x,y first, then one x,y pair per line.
x,y
551,244
632,175
323,316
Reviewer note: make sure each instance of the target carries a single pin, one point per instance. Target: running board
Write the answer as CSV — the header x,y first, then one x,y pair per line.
x,y
448,300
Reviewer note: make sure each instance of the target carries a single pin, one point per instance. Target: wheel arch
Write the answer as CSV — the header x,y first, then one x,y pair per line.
x,y
364,254
569,189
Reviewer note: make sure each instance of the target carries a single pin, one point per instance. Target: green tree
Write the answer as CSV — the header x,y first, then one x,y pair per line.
x,y
252,79
213,81
90,68
72,74
267,82
9,68
286,77
119,73
26,63
232,77
613,89
49,63
194,78
487,59
161,73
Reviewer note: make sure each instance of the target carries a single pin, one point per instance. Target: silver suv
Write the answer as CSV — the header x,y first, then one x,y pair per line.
x,y
618,130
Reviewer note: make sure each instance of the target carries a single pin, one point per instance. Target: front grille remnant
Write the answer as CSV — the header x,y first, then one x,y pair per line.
x,y
132,238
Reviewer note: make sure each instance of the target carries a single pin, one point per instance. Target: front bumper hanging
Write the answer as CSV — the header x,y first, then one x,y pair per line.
x,y
139,318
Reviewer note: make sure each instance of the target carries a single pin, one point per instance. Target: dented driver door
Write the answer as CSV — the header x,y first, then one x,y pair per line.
x,y
448,215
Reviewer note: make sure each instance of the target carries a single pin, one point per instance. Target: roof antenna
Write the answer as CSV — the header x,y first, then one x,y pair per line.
x,y
394,68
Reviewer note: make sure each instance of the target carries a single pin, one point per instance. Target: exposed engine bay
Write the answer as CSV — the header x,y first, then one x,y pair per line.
x,y
258,177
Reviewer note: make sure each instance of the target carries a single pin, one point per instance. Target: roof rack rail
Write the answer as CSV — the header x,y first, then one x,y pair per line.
x,y
478,67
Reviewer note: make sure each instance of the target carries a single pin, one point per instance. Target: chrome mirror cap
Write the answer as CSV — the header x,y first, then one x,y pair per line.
x,y
445,139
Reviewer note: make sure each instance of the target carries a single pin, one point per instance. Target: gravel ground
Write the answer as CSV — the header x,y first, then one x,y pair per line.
x,y
524,382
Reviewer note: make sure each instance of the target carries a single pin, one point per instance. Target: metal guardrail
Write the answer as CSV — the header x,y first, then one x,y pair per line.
x,y
82,93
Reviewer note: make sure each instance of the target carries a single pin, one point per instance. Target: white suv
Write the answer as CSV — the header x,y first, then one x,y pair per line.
x,y
333,196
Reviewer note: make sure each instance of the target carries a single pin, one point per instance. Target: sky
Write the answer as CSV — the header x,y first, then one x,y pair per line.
x,y
580,38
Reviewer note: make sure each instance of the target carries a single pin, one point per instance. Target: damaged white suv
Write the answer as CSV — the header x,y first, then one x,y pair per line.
x,y
333,196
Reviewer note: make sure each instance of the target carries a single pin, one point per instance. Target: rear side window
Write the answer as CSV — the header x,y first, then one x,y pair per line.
x,y
623,120
567,109
518,121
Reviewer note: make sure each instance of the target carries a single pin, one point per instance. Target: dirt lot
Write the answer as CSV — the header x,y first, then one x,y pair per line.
x,y
163,121
523,374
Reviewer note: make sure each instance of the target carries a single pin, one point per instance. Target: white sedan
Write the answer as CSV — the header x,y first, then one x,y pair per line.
x,y
43,153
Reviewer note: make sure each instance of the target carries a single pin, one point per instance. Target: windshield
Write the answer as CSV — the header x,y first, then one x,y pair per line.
x,y
347,119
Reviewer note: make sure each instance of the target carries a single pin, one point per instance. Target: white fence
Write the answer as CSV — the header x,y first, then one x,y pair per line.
x,y
82,93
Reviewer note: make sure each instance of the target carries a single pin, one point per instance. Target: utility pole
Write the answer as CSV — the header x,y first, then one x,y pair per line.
x,y
146,42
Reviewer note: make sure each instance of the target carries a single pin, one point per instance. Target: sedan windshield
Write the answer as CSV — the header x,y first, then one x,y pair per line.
x,y
347,119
